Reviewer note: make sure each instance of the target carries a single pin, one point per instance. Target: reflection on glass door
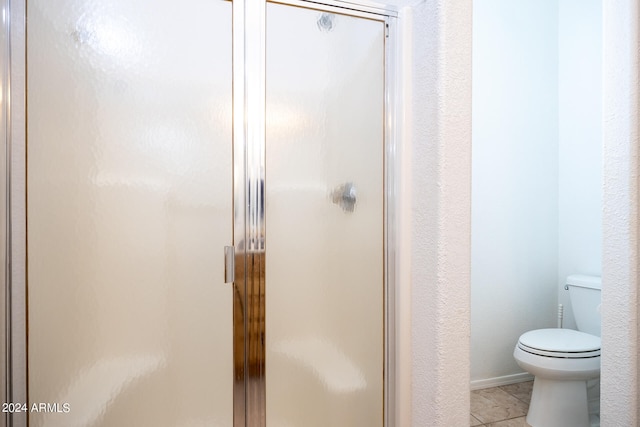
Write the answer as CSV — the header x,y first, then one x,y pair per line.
x,y
129,207
324,218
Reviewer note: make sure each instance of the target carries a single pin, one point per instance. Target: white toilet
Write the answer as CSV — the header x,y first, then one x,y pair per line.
x,y
563,360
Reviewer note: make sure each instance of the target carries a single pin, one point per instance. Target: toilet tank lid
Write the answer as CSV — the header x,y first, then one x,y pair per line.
x,y
584,281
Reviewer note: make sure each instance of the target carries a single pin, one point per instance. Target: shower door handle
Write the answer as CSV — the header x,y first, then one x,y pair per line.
x,y
345,196
229,264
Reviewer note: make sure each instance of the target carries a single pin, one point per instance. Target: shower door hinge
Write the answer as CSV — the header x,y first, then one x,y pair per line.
x,y
229,264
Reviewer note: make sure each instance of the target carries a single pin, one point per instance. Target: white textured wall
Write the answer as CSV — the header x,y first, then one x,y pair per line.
x,y
439,219
515,180
620,298
580,143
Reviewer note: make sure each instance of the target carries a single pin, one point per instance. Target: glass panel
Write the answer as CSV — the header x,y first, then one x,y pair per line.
x,y
129,207
324,219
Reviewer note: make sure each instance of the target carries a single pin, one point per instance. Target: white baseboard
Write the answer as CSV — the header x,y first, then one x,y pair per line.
x,y
498,381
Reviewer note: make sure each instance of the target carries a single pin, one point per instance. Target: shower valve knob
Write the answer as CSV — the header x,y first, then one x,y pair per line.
x,y
345,196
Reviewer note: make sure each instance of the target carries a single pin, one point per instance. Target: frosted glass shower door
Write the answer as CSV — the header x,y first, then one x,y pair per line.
x,y
129,207
324,218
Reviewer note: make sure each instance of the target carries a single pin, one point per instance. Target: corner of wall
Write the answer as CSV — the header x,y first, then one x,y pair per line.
x,y
440,213
620,384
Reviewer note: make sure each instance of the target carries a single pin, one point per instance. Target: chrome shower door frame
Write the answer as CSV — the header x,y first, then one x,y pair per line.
x,y
14,207
5,228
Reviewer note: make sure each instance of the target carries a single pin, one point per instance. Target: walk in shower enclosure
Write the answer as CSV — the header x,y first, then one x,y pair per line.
x,y
199,213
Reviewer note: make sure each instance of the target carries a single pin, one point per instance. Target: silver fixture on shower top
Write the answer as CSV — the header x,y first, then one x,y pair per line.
x,y
326,22
345,196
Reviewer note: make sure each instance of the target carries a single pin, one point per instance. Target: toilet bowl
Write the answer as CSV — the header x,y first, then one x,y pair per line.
x,y
562,360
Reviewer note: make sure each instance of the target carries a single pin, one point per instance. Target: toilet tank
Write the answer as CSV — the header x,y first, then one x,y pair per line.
x,y
584,292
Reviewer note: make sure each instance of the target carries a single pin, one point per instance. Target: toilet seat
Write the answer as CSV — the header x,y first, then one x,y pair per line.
x,y
560,343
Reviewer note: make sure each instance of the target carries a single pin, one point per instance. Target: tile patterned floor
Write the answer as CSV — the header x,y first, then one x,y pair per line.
x,y
504,406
